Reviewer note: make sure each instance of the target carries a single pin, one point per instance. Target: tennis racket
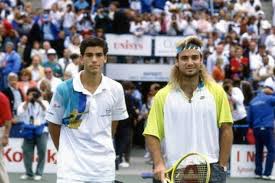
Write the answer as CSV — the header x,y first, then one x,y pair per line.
x,y
191,168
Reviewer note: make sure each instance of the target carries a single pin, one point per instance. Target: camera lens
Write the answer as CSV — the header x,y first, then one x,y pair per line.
x,y
35,96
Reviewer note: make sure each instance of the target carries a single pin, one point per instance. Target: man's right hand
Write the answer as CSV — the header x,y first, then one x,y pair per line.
x,y
159,172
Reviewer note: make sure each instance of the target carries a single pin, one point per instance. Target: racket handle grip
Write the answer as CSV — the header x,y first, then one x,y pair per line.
x,y
147,175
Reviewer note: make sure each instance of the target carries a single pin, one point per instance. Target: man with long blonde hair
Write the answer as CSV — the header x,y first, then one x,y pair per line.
x,y
190,114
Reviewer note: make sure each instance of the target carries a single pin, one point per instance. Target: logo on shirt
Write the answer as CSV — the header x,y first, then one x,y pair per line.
x,y
56,105
108,112
74,119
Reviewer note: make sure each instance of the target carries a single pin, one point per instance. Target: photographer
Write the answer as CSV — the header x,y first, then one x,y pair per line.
x,y
32,113
174,26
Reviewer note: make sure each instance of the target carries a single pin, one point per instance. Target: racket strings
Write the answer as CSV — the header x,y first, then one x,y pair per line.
x,y
194,173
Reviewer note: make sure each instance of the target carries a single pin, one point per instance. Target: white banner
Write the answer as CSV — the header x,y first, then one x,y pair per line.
x,y
129,45
13,157
138,72
165,46
242,161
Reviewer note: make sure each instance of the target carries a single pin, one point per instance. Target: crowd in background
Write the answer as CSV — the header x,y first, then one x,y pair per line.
x,y
39,47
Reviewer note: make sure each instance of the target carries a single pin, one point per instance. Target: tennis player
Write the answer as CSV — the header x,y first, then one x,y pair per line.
x,y
190,114
80,119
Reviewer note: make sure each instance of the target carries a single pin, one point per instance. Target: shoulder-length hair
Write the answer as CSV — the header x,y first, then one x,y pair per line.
x,y
176,75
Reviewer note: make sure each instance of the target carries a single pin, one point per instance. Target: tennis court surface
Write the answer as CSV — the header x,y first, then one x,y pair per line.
x,y
129,175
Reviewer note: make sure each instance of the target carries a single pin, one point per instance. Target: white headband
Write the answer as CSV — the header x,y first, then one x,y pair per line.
x,y
189,46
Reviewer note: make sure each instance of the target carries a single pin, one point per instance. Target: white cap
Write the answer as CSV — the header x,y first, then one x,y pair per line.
x,y
260,13
51,51
266,24
270,83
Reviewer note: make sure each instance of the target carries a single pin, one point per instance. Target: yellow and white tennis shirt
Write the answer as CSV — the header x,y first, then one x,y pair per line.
x,y
186,125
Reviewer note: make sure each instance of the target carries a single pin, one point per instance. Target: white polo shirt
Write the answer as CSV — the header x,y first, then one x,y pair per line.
x,y
87,153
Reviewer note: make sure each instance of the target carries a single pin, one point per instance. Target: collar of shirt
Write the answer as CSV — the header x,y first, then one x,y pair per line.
x,y
78,86
199,87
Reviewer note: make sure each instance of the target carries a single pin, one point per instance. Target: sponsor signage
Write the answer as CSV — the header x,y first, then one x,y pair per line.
x,y
138,72
242,161
129,45
165,46
13,157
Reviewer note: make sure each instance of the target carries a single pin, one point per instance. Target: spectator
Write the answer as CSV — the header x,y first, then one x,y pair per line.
x,y
163,23
5,118
73,67
138,26
212,59
22,45
37,71
14,94
199,5
73,46
247,90
12,63
204,25
254,62
190,25
37,50
158,5
171,6
238,111
84,22
184,5
65,60
98,33
52,63
174,26
266,26
242,6
45,89
263,71
24,24
262,52
62,4
54,81
153,25
25,81
143,114
124,132
102,19
81,5
239,64
218,72
59,43
48,29
261,119
56,15
269,43
120,22
32,112
270,81
69,19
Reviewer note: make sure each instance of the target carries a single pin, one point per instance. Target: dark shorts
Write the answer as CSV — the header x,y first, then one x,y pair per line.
x,y
218,175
